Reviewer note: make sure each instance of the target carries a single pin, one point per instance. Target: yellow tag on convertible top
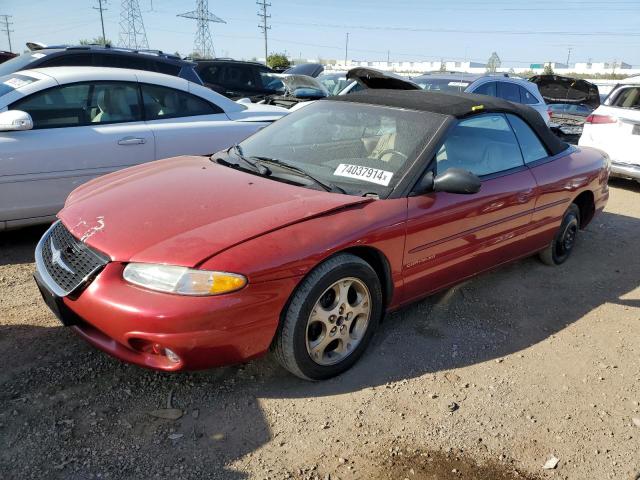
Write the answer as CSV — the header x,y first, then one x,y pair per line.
x,y
476,108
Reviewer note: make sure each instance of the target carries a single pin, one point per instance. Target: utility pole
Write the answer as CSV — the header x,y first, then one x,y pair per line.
x,y
203,44
346,49
388,55
568,56
264,26
132,32
101,8
7,29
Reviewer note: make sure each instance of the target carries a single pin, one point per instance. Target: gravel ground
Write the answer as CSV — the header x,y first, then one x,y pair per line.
x,y
488,380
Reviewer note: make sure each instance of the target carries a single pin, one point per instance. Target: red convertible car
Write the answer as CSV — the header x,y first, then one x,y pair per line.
x,y
301,237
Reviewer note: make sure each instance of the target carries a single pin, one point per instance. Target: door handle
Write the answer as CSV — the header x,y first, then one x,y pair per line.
x,y
523,197
131,141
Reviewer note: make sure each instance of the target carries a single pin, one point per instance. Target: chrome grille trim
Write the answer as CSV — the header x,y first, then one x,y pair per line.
x,y
64,263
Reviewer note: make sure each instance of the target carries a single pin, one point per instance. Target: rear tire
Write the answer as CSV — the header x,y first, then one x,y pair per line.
x,y
330,319
560,248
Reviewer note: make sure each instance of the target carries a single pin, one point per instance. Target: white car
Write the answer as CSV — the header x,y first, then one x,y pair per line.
x,y
615,129
60,127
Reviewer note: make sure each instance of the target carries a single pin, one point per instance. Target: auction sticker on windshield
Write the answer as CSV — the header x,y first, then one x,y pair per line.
x,y
374,175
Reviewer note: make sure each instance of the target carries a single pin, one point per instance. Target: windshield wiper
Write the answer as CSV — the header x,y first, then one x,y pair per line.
x,y
329,187
256,167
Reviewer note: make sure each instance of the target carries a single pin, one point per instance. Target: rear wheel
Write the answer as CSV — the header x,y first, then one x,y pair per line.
x,y
330,319
563,243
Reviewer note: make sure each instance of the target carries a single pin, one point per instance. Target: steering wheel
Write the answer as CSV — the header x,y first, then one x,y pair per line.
x,y
392,151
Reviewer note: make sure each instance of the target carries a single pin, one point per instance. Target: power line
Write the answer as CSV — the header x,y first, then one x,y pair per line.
x,y
203,44
132,32
101,8
264,27
7,28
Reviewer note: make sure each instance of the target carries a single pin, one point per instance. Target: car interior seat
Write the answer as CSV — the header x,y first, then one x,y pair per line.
x,y
113,106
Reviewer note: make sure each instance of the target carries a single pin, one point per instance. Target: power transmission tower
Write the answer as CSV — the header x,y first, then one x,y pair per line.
x,y
101,8
569,55
264,27
132,33
7,24
203,44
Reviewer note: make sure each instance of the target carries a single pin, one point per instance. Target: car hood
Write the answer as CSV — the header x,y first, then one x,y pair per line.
x,y
372,78
558,89
184,210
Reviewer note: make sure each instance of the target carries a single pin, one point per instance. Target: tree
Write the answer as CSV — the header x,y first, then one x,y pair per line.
x,y
278,60
493,63
548,69
96,41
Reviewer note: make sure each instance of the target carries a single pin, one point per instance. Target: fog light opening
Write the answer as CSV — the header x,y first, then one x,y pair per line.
x,y
172,356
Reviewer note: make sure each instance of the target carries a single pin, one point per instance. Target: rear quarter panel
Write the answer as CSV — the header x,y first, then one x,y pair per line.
x,y
560,180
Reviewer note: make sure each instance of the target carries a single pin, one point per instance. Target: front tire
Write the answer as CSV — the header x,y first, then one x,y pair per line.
x,y
563,243
330,319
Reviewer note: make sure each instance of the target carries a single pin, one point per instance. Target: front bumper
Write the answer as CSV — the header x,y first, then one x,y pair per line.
x,y
625,170
125,321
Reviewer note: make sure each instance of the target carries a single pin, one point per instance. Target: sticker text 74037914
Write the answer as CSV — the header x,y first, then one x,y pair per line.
x,y
373,175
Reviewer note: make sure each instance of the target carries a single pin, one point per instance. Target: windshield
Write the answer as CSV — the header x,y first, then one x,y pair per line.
x,y
334,82
361,148
19,63
442,84
9,83
272,81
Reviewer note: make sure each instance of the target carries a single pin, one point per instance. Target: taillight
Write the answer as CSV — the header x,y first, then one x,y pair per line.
x,y
595,119
550,112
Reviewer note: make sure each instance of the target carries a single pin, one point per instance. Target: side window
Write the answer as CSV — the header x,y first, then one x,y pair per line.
x,y
239,76
483,145
488,88
527,97
162,102
168,68
628,98
64,106
509,91
212,74
114,102
531,146
123,61
73,60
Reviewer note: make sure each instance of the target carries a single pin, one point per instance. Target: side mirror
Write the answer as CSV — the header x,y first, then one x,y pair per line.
x,y
457,180
15,120
452,180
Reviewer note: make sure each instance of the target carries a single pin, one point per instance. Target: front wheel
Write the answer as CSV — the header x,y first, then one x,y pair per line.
x,y
330,319
563,243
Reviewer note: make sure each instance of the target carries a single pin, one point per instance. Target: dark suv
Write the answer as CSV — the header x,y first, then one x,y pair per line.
x,y
236,79
102,56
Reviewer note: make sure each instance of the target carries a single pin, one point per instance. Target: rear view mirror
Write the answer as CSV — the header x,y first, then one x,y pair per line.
x,y
457,180
15,120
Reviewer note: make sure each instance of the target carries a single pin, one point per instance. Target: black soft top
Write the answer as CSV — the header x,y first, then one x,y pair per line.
x,y
458,105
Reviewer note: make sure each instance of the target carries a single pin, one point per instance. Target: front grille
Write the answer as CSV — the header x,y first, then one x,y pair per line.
x,y
64,262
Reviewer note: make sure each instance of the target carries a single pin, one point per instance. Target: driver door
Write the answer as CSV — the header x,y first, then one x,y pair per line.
x,y
453,236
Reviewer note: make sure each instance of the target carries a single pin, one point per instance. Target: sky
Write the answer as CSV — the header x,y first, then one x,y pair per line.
x,y
520,31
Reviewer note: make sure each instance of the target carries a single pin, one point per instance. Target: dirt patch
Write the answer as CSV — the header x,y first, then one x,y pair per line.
x,y
443,466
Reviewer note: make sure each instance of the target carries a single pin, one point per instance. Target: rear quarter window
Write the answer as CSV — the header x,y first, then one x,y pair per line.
x,y
509,91
527,97
627,98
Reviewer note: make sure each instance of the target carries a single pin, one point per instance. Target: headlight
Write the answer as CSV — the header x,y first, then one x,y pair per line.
x,y
182,280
